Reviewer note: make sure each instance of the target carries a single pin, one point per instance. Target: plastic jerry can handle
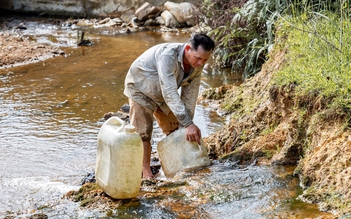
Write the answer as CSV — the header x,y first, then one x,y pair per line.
x,y
116,122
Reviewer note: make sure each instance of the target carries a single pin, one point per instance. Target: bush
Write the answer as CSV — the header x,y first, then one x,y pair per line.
x,y
244,31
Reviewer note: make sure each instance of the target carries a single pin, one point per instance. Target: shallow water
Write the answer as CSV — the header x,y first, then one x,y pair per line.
x,y
50,114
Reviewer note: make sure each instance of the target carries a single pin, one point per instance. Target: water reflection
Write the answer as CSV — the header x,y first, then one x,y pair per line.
x,y
50,114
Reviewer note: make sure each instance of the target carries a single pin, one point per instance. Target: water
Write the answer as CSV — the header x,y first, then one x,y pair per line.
x,y
50,114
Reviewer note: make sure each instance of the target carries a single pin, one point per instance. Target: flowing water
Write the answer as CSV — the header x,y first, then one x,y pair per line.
x,y
50,114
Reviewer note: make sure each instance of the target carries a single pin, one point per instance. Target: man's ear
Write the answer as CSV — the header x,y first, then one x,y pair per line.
x,y
187,47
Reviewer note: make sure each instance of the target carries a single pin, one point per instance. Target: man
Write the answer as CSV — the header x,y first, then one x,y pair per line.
x,y
152,86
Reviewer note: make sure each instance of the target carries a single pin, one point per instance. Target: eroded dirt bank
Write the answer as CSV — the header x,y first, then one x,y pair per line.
x,y
270,126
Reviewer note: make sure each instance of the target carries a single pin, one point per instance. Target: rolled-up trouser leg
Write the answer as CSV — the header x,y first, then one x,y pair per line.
x,y
168,123
142,119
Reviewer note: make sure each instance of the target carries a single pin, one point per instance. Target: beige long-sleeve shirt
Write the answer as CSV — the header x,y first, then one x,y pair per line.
x,y
155,77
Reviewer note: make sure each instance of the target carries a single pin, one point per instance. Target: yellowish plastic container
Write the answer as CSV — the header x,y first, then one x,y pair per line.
x,y
119,159
177,154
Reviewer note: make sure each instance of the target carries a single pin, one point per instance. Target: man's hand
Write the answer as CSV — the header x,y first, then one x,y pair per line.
x,y
193,133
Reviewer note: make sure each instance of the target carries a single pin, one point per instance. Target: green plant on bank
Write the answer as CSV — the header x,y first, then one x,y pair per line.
x,y
346,124
243,32
269,129
301,118
268,153
319,54
235,105
244,135
306,147
245,29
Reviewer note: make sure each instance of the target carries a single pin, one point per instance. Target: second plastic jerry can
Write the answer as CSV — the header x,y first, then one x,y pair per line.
x,y
176,153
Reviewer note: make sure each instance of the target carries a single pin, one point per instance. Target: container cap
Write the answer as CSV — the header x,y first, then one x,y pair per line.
x,y
129,128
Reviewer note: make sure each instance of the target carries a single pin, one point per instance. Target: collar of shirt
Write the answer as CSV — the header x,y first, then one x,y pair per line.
x,y
181,56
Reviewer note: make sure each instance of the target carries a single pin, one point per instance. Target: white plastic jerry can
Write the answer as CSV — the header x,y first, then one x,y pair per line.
x,y
119,159
176,153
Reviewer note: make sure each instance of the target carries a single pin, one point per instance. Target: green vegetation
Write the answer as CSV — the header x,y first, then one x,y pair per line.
x,y
270,129
243,31
318,57
315,33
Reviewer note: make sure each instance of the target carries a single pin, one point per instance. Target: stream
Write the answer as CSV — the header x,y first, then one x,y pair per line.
x,y
51,112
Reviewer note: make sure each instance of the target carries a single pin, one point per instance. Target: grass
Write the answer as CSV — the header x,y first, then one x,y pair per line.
x,y
318,58
245,30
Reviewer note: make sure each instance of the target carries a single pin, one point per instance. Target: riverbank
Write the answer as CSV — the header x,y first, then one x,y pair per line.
x,y
271,125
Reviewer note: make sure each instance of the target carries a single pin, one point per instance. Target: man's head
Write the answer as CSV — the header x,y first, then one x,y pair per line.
x,y
202,40
198,50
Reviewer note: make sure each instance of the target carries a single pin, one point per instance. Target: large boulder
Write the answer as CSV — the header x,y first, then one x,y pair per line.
x,y
145,11
183,12
169,19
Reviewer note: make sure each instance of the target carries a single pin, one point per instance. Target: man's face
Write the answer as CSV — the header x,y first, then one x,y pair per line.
x,y
197,58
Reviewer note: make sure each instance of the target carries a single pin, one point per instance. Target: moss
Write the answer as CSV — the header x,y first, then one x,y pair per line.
x,y
215,93
232,103
268,153
240,155
269,130
85,192
85,202
328,200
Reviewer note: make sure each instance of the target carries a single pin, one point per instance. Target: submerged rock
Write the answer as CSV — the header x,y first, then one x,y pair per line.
x,y
89,178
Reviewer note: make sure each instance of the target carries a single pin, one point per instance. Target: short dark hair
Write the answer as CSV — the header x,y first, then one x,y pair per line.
x,y
202,40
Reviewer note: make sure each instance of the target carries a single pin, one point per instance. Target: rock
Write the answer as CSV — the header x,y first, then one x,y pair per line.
x,y
159,21
38,216
89,178
132,23
150,22
128,16
84,23
145,11
21,26
125,108
169,19
117,21
107,22
123,113
183,12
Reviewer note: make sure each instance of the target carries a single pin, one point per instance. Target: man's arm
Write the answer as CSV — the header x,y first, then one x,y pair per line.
x,y
189,97
168,73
